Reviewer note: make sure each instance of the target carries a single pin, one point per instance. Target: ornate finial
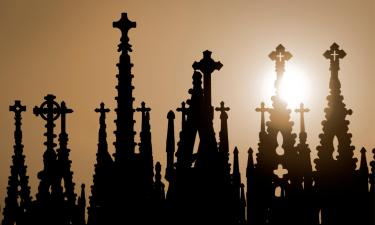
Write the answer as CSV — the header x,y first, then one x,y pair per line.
x,y
334,54
170,115
302,110
184,112
222,110
17,108
262,110
280,56
124,24
64,111
102,110
143,108
207,66
49,109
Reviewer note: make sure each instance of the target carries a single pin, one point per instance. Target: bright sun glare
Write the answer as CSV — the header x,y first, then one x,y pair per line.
x,y
294,87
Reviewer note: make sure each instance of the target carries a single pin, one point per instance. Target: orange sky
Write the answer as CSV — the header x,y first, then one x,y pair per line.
x,y
68,48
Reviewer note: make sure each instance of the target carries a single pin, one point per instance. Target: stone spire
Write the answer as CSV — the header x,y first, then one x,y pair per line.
x,y
236,183
100,190
224,142
124,143
363,172
251,192
50,111
145,148
170,147
63,159
333,176
274,151
208,145
18,199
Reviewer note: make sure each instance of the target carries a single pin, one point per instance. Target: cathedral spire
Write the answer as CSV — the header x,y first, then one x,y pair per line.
x,y
63,158
50,111
335,124
145,146
224,142
363,172
124,142
334,177
170,149
100,188
18,199
262,110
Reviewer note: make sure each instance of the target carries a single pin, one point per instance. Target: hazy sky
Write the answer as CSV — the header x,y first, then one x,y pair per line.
x,y
69,48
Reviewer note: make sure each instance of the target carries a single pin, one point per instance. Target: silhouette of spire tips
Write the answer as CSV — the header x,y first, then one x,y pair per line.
x,y
363,150
250,151
170,115
124,23
235,151
17,107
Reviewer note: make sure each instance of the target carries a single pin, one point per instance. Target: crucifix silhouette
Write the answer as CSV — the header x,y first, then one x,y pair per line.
x,y
280,171
262,110
184,112
17,108
279,56
50,111
124,24
223,110
302,110
143,109
102,110
334,54
207,66
64,110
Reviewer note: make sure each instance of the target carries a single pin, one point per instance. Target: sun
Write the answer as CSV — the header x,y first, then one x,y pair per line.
x,y
294,87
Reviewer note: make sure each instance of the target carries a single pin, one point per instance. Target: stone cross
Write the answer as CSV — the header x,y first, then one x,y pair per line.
x,y
262,110
184,111
17,108
334,54
50,111
124,23
64,110
280,171
280,56
207,66
143,108
223,110
102,110
302,110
